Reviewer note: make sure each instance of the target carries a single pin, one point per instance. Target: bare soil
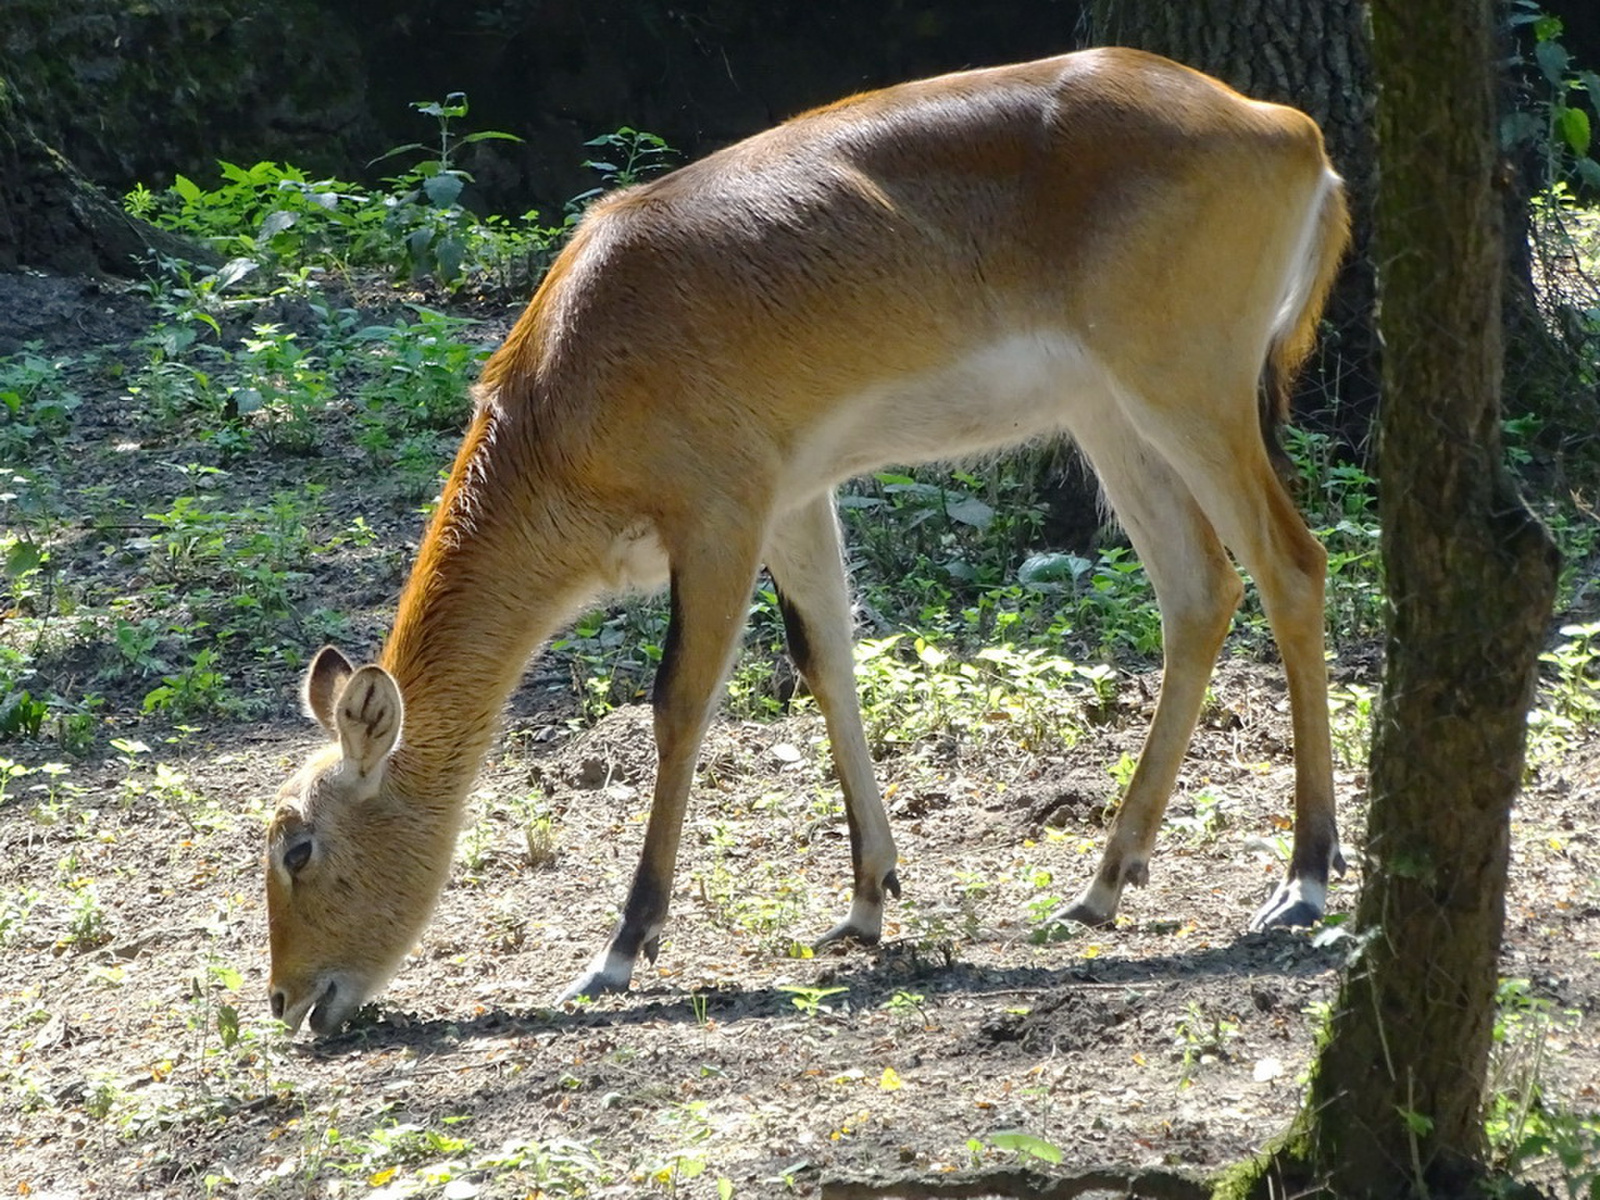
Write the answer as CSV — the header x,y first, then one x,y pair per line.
x,y
1174,1039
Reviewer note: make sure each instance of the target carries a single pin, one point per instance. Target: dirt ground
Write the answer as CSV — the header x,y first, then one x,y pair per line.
x,y
139,1057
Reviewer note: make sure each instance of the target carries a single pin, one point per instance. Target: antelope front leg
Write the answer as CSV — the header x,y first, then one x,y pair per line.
x,y
710,594
807,564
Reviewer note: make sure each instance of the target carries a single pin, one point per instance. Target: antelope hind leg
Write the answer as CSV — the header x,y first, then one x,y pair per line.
x,y
1198,591
1258,521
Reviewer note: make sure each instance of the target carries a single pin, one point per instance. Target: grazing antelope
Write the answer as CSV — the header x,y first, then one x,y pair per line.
x,y
1105,245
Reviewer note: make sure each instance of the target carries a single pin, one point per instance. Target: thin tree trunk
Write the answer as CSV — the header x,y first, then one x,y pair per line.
x,y
1395,1103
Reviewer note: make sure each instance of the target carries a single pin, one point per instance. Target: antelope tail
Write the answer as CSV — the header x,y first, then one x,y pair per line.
x,y
1316,265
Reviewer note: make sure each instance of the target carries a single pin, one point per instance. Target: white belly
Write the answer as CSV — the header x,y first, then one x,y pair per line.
x,y
1004,393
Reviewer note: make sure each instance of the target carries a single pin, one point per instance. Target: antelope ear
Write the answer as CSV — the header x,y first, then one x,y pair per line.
x,y
368,717
325,678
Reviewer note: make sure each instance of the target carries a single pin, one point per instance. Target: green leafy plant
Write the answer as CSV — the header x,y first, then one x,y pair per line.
x,y
912,689
268,210
420,371
1205,823
1201,1038
1575,696
1341,501
1351,710
630,156
1026,1146
1560,121
37,400
435,231
1529,1130
613,655
282,386
198,690
809,1000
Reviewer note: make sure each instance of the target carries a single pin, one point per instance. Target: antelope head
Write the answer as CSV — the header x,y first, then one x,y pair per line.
x,y
352,875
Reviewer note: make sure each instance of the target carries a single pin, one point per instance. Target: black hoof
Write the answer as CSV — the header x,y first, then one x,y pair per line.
x,y
1299,915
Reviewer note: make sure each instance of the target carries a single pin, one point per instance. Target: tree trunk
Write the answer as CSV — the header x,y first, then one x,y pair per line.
x,y
54,219
1395,1103
1314,57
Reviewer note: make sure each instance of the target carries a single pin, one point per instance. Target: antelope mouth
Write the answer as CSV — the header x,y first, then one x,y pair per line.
x,y
328,1010
325,1007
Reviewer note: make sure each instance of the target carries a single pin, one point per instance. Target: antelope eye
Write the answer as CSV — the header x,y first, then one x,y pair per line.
x,y
297,856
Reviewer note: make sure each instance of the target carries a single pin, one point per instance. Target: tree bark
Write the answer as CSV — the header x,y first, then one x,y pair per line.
x,y
54,219
1395,1103
1316,58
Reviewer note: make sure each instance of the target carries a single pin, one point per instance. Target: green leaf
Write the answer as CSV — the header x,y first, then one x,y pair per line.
x,y
1051,568
22,715
1553,59
277,221
1026,1144
485,134
228,1024
1589,172
443,189
22,558
186,188
490,135
1418,1123
406,149
1573,124
448,256
970,511
234,270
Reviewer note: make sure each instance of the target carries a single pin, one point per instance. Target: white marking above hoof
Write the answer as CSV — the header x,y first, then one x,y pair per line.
x,y
1297,903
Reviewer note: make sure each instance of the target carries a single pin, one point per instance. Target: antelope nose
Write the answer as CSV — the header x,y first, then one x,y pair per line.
x,y
280,1001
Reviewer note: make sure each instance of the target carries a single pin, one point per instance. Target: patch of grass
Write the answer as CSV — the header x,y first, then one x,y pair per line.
x,y
1351,712
1569,703
38,396
1533,1135
416,377
1201,1038
912,691
613,654
763,900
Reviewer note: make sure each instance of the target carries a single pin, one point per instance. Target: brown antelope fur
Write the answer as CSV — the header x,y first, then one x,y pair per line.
x,y
1105,245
